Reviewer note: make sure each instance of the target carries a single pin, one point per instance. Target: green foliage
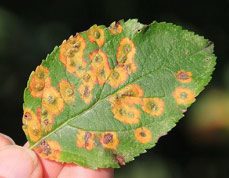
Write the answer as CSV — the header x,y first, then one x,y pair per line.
x,y
107,94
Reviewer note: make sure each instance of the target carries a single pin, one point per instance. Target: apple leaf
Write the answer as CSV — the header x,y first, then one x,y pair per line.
x,y
106,95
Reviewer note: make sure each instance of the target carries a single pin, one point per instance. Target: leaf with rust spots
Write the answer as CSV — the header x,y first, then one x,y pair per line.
x,y
107,94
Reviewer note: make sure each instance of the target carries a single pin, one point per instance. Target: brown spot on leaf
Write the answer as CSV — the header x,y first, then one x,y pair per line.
x,y
85,140
49,149
109,140
184,76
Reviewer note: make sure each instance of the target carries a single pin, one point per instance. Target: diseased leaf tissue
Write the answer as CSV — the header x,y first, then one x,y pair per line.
x,y
106,95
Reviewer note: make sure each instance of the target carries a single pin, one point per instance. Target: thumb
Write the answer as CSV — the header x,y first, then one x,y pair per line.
x,y
16,161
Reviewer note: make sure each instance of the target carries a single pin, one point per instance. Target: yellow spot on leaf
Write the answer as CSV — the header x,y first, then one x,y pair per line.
x,y
38,81
102,74
130,66
184,76
115,28
71,54
117,77
132,90
131,94
52,101
76,67
184,96
126,51
153,106
126,113
72,48
49,149
143,135
109,140
85,140
31,125
67,91
98,58
89,78
96,34
100,66
46,119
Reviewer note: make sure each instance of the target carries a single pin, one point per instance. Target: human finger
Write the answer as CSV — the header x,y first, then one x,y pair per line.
x,y
16,161
74,171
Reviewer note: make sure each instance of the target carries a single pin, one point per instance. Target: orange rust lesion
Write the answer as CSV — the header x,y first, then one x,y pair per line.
x,y
124,104
184,76
47,120
126,51
72,48
115,28
50,149
117,77
96,34
71,54
153,106
183,96
67,91
38,81
132,90
31,125
126,113
143,135
100,66
125,63
130,66
98,58
131,94
76,66
109,140
89,78
52,101
85,139
102,74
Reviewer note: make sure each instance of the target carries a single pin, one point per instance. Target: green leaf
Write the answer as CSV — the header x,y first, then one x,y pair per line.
x,y
106,95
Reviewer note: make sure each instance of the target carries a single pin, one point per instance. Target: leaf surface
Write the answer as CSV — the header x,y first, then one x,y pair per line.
x,y
106,95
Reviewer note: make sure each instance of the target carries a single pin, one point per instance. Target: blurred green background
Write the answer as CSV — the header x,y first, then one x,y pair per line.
x,y
198,147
